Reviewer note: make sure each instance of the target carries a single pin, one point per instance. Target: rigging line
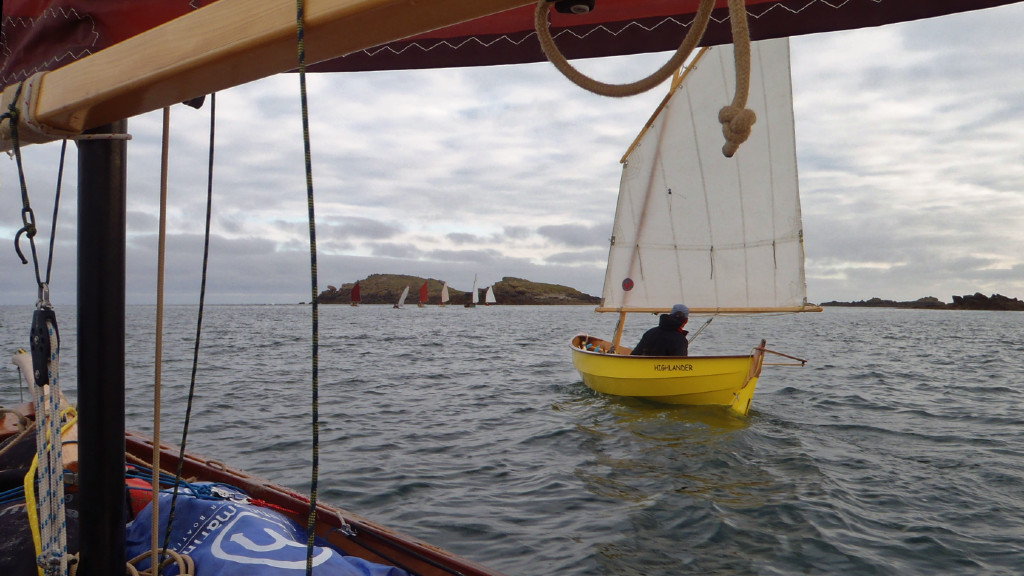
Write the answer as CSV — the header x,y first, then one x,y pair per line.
x,y
199,322
56,206
28,217
311,521
155,553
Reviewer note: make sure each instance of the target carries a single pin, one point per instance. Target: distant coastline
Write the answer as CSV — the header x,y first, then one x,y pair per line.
x,y
976,301
386,288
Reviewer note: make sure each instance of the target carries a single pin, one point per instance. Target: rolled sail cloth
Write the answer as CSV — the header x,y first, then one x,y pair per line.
x,y
228,536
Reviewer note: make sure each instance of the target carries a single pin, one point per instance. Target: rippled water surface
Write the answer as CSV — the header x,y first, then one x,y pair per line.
x,y
897,450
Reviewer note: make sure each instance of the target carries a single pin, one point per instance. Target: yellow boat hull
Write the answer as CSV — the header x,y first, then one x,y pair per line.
x,y
693,380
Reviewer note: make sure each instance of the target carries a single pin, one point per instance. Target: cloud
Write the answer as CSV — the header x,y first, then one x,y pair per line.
x,y
908,142
577,234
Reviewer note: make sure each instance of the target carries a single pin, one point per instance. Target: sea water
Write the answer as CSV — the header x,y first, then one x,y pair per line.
x,y
898,449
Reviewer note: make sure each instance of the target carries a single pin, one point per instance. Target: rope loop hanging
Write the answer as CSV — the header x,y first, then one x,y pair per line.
x,y
736,119
547,44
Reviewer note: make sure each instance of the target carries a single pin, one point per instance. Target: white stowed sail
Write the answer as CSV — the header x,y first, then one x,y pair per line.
x,y
489,296
718,234
444,294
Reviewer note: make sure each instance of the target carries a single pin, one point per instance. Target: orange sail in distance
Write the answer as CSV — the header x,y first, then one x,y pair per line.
x,y
423,295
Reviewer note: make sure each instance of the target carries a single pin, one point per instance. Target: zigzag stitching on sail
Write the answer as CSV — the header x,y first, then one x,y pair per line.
x,y
601,28
57,13
505,37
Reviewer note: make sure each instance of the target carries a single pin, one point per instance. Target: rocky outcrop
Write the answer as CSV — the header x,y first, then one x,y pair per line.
x,y
386,288
977,301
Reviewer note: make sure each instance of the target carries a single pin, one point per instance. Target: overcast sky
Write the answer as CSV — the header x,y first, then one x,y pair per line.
x,y
910,143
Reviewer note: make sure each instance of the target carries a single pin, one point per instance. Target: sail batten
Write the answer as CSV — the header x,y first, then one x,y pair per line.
x,y
693,226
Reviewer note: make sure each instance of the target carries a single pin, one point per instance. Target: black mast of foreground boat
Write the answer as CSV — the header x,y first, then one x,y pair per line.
x,y
102,216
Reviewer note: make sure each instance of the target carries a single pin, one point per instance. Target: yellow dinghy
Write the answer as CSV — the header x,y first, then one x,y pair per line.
x,y
722,235
693,380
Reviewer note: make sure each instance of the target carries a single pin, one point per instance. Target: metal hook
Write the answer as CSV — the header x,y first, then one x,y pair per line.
x,y
29,229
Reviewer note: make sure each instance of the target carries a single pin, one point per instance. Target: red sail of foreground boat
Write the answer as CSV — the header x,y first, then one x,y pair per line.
x,y
72,66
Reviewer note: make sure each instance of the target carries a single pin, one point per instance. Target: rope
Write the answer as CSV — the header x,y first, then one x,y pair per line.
x,y
158,345
199,323
186,566
23,421
311,521
48,535
736,118
554,55
28,218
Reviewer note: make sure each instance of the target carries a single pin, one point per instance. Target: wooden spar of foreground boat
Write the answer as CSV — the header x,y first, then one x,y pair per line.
x,y
722,235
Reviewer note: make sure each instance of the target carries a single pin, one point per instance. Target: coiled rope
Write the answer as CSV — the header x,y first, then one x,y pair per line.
x,y
736,118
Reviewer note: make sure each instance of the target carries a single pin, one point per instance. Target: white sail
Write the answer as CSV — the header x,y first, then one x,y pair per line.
x,y
489,296
475,296
695,227
444,293
401,299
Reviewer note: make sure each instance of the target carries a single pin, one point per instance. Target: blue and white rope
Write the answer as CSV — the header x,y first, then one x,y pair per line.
x,y
52,558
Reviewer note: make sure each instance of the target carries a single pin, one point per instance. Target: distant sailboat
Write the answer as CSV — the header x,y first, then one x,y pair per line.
x,y
444,295
423,295
474,295
401,299
489,297
355,295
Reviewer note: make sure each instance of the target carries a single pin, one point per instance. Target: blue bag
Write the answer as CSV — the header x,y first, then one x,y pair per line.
x,y
227,536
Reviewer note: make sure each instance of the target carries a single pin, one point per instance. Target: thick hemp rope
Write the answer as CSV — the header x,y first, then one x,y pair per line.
x,y
736,119
554,55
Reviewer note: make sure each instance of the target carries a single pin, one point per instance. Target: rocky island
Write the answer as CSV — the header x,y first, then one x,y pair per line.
x,y
386,288
977,301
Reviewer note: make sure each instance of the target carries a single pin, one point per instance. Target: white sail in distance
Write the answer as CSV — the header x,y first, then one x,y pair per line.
x,y
692,226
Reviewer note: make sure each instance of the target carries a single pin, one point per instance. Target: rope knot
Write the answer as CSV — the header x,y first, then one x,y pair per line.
x,y
736,125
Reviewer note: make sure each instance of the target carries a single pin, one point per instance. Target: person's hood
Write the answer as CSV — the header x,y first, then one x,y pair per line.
x,y
670,322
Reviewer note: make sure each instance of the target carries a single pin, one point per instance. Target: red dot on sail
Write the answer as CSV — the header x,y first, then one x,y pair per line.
x,y
627,284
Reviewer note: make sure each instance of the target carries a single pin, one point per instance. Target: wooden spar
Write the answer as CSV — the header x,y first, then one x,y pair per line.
x,y
677,79
619,326
805,307
226,44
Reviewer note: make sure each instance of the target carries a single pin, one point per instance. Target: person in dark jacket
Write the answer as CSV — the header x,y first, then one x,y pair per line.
x,y
667,338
